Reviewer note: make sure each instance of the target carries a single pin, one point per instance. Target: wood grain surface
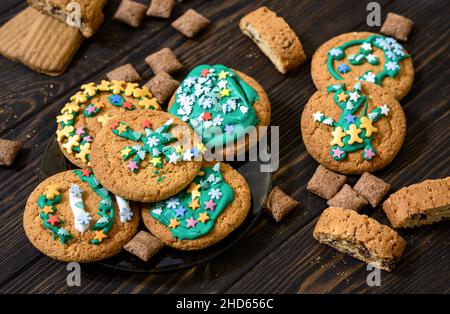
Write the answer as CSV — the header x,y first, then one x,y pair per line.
x,y
274,257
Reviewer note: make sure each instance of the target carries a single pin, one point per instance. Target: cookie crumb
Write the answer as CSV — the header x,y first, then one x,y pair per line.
x,y
161,8
162,85
144,245
8,151
348,198
326,183
130,12
279,204
372,188
164,61
190,23
397,26
125,73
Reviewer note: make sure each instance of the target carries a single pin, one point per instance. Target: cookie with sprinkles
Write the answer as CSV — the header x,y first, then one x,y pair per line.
x,y
221,105
146,155
214,204
366,56
353,127
71,217
91,108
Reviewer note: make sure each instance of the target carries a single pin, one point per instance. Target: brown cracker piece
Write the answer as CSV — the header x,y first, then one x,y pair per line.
x,y
360,236
130,12
161,8
162,86
397,26
125,73
164,60
325,183
8,151
85,15
372,188
144,245
275,38
190,23
49,45
348,198
419,204
279,204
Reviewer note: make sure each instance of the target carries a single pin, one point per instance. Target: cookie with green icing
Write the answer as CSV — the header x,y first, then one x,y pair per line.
x,y
370,57
221,104
353,127
72,217
214,204
146,155
91,108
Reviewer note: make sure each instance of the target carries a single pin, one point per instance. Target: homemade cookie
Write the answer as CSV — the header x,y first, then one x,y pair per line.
x,y
353,127
146,156
85,15
90,109
209,209
275,38
72,218
220,103
367,56
359,236
419,204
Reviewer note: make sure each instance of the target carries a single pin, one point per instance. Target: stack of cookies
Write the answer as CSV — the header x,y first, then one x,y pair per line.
x,y
46,35
138,162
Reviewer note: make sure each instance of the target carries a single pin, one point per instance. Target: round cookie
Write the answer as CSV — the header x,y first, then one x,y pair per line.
x,y
353,127
90,109
222,102
72,218
214,204
146,155
366,56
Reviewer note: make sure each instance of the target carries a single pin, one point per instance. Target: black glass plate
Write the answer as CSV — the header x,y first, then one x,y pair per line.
x,y
53,161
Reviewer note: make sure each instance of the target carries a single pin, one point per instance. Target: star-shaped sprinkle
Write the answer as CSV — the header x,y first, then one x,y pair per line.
x,y
191,222
203,217
193,189
114,125
79,130
47,210
187,155
317,116
127,105
353,131
194,204
146,124
53,219
91,109
86,172
155,161
210,205
354,96
224,92
180,211
100,235
174,223
132,165
204,72
350,118
223,75
125,152
207,116
369,153
122,128
328,121
337,152
173,158
87,138
384,109
343,68
349,106
342,97
338,135
201,147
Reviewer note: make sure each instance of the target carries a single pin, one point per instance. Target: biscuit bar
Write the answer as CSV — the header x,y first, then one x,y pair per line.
x,y
275,38
85,15
419,204
360,236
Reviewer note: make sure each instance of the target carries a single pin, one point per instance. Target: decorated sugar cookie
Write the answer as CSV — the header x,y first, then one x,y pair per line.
x,y
71,217
353,127
365,56
90,109
220,103
146,156
214,204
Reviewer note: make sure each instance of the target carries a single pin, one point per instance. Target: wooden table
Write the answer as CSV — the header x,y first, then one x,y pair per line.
x,y
274,257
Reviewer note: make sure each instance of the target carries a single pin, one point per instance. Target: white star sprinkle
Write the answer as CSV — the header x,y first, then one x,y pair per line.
x,y
317,116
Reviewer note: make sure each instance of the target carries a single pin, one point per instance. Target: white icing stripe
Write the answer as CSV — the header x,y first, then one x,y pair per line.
x,y
124,209
82,218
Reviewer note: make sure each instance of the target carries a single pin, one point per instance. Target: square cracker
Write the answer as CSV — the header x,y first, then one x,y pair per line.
x,y
162,86
190,23
144,245
164,61
397,26
161,8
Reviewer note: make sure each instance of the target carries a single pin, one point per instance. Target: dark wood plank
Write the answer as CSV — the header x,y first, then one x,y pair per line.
x,y
29,105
